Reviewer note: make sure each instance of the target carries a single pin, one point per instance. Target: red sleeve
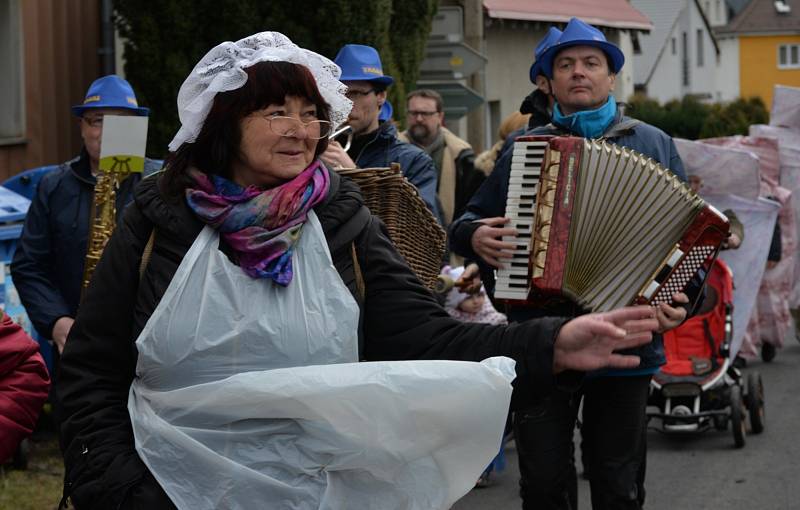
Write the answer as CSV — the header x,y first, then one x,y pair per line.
x,y
24,384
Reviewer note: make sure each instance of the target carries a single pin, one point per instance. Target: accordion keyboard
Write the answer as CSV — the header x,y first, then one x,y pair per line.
x,y
513,281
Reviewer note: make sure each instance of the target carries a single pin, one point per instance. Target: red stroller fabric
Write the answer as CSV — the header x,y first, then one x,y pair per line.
x,y
689,343
23,385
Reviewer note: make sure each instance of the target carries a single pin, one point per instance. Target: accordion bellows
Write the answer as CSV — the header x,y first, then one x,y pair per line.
x,y
610,227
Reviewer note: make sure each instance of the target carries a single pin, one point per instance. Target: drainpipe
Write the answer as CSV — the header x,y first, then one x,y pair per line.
x,y
106,51
473,37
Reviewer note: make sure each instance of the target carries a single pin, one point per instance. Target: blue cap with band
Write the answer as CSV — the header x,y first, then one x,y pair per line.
x,y
361,63
579,33
550,38
110,92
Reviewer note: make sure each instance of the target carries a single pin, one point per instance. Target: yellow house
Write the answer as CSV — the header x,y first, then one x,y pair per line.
x,y
768,37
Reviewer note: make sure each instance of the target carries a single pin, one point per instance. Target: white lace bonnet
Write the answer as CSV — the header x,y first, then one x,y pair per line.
x,y
222,69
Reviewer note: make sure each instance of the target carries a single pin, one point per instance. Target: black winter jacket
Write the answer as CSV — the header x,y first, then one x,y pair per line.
x,y
400,319
48,264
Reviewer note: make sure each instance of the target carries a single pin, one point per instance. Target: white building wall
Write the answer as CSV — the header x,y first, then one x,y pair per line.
x,y
623,89
666,83
509,48
703,77
728,70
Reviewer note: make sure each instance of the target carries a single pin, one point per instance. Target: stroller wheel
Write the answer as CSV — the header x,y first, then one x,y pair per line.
x,y
768,352
737,416
755,402
20,459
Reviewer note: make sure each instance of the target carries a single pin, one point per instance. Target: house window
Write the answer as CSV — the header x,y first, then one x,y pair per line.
x,y
674,51
12,110
789,56
494,119
685,58
699,48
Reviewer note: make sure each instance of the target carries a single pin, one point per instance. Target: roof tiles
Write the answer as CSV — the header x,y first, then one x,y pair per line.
x,y
604,13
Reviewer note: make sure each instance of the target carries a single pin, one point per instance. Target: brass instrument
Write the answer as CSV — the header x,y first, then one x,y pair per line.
x,y
347,131
103,218
122,155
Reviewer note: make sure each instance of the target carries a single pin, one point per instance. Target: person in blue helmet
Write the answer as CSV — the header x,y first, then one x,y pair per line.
x,y
539,103
386,112
48,264
375,143
581,68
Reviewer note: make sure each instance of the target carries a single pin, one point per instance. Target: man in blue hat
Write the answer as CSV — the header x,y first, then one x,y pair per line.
x,y
48,264
375,143
581,68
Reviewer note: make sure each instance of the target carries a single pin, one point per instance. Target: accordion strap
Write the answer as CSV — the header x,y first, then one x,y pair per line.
x,y
621,128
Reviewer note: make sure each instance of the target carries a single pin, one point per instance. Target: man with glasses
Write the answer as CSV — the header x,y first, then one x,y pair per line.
x,y
453,157
375,143
48,263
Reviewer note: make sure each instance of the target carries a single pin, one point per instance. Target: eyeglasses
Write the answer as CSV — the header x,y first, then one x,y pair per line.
x,y
352,94
288,126
418,113
95,121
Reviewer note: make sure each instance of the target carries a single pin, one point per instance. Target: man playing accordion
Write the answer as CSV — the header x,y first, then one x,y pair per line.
x,y
581,68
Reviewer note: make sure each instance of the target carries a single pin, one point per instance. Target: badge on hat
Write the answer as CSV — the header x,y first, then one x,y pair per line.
x,y
110,92
361,63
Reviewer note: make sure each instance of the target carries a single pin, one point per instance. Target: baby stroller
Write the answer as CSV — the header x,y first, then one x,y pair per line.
x,y
699,387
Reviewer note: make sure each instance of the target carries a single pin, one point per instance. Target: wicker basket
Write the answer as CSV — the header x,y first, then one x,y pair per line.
x,y
414,230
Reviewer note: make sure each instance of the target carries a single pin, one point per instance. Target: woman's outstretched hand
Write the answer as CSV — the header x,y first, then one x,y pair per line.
x,y
590,342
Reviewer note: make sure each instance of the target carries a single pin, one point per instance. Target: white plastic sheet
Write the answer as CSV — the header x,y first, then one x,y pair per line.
x,y
247,396
789,151
785,107
749,261
392,435
772,319
724,170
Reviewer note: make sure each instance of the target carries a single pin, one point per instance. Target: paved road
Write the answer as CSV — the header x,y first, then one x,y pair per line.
x,y
705,471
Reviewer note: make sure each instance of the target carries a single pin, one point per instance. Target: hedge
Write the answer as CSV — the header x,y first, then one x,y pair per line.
x,y
689,118
164,40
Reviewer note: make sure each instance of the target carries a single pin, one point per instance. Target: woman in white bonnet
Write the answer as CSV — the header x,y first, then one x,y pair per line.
x,y
223,372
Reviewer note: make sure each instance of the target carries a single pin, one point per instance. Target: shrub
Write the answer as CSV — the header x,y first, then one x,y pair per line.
x,y
691,119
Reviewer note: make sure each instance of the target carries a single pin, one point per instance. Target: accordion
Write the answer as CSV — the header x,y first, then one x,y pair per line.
x,y
601,225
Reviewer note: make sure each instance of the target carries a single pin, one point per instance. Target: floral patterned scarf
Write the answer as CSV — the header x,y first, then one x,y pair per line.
x,y
262,226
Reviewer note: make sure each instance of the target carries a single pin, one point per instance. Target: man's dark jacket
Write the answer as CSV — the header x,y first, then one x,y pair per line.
x,y
490,202
48,264
385,148
399,319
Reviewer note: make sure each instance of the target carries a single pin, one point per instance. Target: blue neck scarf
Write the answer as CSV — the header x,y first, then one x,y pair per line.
x,y
588,123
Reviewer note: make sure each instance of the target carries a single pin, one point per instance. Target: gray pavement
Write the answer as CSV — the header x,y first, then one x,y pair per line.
x,y
705,471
